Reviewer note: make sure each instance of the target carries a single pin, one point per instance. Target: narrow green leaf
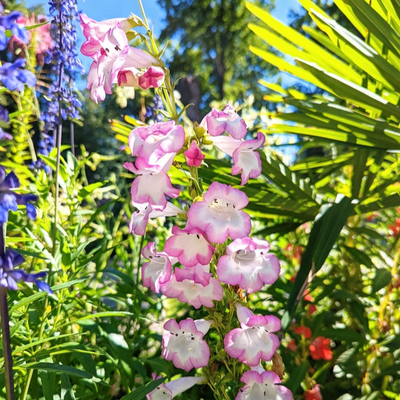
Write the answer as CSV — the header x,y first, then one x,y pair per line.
x,y
322,238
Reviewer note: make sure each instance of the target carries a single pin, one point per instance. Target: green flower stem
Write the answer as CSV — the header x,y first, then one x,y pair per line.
x,y
5,326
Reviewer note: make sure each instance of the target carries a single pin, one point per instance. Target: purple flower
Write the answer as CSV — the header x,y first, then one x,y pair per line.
x,y
183,344
4,114
253,341
220,214
8,22
9,200
9,277
248,264
14,78
4,135
152,111
63,57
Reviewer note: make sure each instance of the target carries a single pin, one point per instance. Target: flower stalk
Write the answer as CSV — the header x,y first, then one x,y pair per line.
x,y
5,326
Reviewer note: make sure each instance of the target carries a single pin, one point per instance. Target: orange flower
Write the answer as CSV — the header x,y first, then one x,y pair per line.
x,y
320,348
304,331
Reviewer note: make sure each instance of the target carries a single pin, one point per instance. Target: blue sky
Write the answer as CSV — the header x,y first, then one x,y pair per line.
x,y
105,9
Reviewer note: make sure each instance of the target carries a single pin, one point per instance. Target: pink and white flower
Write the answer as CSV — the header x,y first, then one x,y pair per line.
x,y
220,213
152,78
253,341
167,391
217,122
193,155
190,246
94,31
151,186
158,270
195,294
244,154
248,264
114,55
140,218
198,274
183,344
155,143
261,384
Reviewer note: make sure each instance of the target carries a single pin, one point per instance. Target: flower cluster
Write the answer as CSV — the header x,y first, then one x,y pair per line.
x,y
13,77
9,277
10,22
63,58
114,61
9,200
190,268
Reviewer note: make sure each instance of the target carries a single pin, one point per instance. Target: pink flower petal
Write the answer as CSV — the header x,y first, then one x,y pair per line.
x,y
193,155
193,293
158,270
190,247
184,346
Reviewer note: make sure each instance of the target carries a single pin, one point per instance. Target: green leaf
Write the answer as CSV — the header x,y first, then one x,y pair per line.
x,y
85,191
382,278
297,376
66,389
141,392
48,384
323,236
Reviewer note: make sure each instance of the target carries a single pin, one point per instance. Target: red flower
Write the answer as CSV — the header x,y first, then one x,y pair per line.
x,y
292,345
395,228
320,348
311,309
304,331
308,297
313,394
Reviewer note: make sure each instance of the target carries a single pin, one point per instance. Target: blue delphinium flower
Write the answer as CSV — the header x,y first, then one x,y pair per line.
x,y
14,78
4,116
9,277
152,110
9,22
9,200
44,147
63,57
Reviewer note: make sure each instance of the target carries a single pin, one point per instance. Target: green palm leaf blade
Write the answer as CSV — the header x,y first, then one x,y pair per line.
x,y
370,24
364,56
345,89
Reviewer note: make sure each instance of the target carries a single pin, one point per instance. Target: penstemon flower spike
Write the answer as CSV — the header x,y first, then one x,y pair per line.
x,y
211,262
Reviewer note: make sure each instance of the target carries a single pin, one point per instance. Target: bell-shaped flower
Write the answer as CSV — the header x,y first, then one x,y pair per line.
x,y
188,291
262,385
246,159
114,55
248,264
150,186
158,270
193,155
198,274
154,142
220,213
167,391
253,341
94,31
140,218
217,122
152,78
190,246
183,343
313,394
